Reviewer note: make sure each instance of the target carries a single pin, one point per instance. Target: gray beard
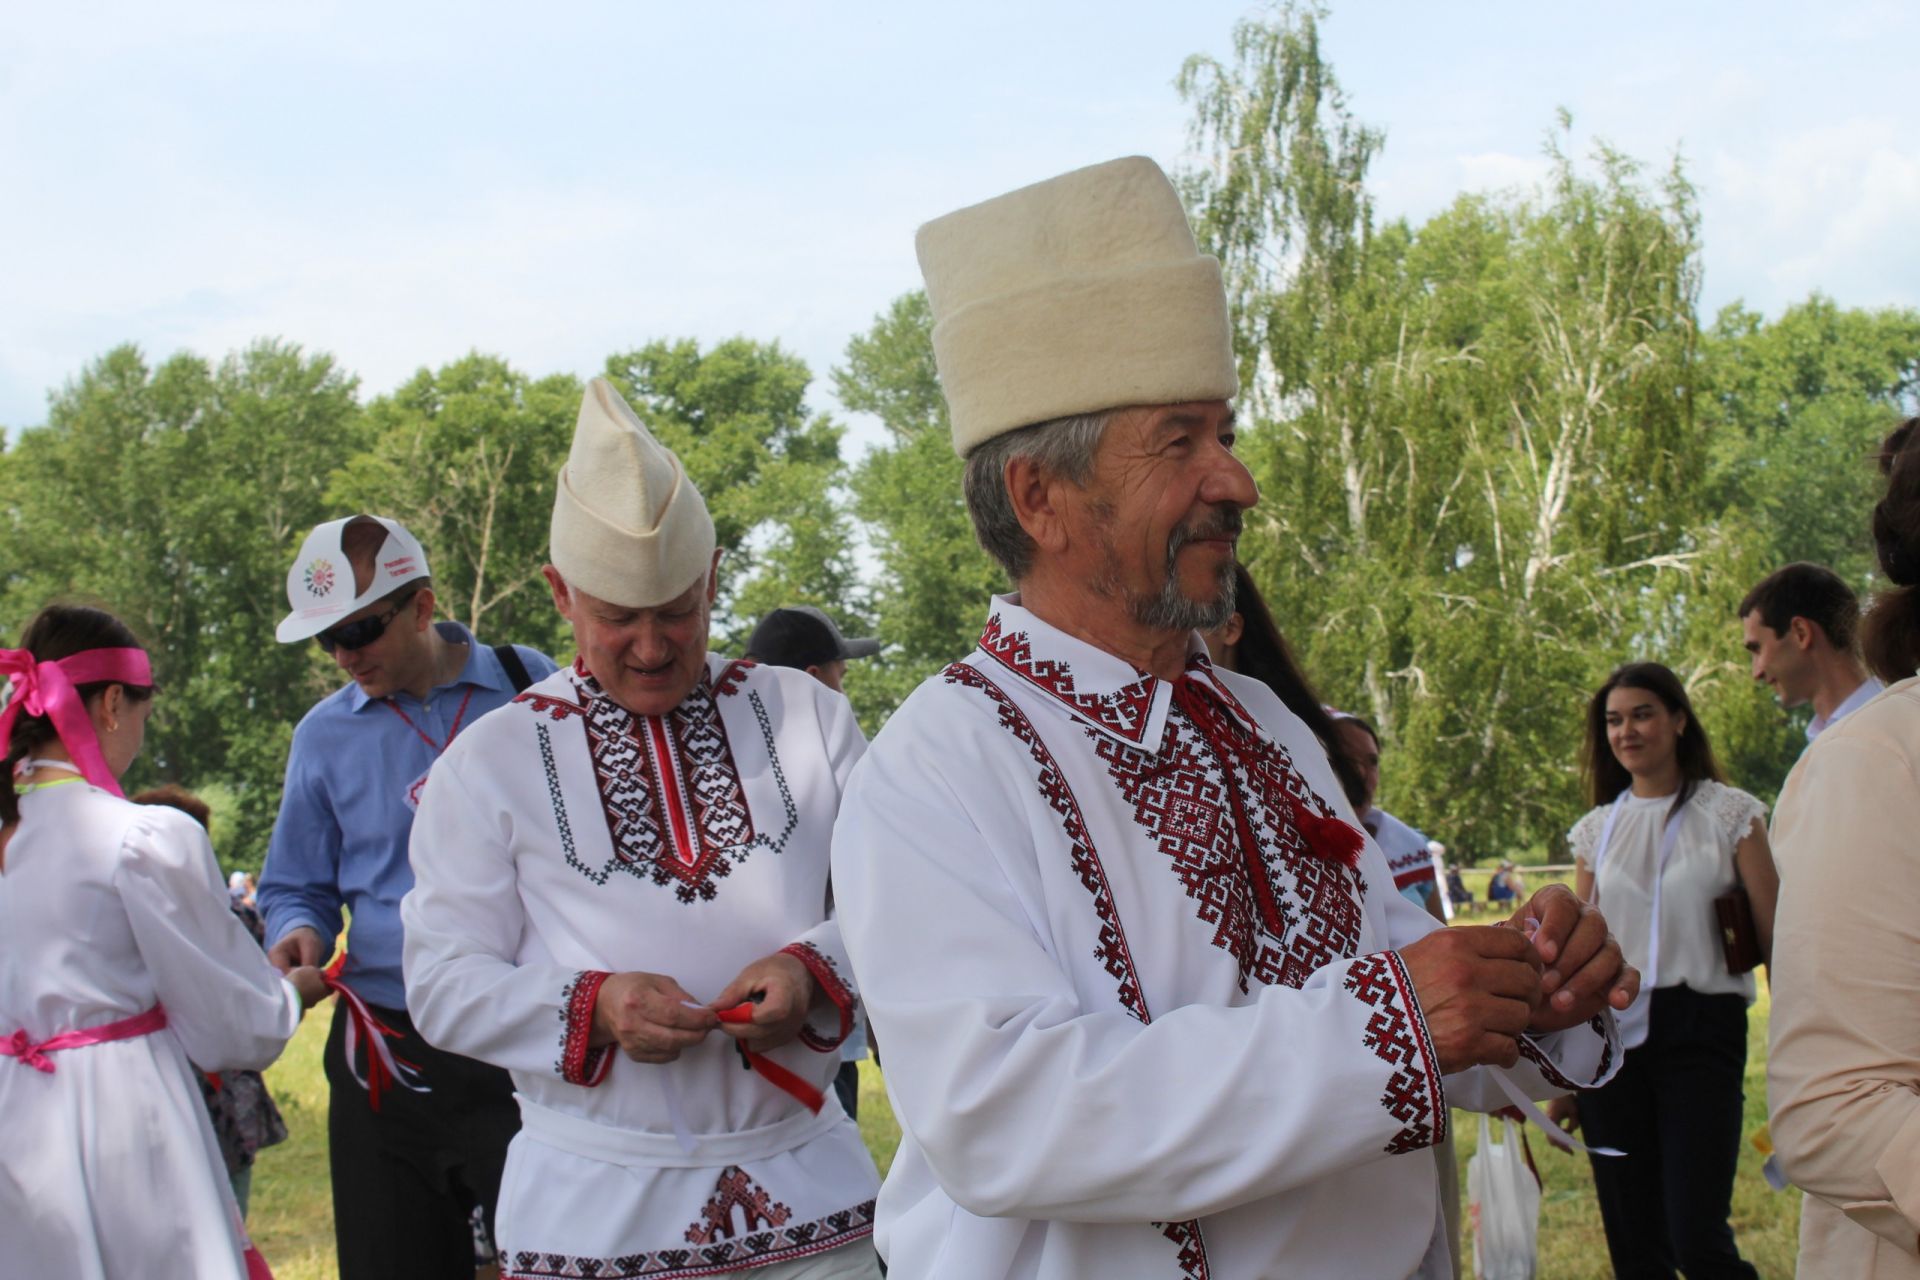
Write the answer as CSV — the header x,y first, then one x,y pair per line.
x,y
1171,609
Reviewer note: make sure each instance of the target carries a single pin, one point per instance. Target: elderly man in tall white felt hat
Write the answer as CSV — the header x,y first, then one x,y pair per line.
x,y
622,899
417,1136
1151,1006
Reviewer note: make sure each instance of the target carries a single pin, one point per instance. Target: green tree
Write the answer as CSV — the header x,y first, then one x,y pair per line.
x,y
1475,438
176,497
932,582
467,457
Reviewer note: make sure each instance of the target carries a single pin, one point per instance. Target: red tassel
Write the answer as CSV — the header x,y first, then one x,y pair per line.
x,y
1330,839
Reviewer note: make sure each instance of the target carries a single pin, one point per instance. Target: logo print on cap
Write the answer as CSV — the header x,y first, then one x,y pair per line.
x,y
319,578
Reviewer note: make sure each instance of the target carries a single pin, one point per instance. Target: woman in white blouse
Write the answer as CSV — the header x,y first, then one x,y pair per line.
x,y
1665,838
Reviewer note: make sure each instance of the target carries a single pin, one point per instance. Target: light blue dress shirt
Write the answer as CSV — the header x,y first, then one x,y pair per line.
x,y
1869,689
346,814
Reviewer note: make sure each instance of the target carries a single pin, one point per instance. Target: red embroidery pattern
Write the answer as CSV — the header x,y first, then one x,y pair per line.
x,y
1278,910
731,677
1124,711
1193,1248
579,1063
763,1235
555,709
827,974
1532,1053
1113,953
735,1190
1397,1034
646,784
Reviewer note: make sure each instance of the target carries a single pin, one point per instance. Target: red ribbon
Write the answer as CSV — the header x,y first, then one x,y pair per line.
x,y
384,1067
769,1070
1327,838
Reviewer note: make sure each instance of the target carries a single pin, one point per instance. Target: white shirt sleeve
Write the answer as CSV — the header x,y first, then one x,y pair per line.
x,y
230,1009
466,990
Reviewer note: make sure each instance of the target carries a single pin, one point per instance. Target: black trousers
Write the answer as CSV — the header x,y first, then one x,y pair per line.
x,y
846,1084
406,1178
1675,1109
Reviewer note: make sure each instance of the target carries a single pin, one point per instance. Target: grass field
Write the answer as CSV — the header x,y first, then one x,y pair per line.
x,y
292,1217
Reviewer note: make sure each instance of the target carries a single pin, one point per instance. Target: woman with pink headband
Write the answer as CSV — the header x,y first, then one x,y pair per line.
x,y
121,961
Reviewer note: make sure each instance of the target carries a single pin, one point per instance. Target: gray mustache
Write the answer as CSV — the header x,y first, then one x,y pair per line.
x,y
1226,520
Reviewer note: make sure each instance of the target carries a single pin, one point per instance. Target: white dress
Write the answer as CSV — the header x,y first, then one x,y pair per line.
x,y
108,1165
1119,1046
561,839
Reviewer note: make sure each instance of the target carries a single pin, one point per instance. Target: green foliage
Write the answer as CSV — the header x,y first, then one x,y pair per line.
x,y
471,454
930,595
176,497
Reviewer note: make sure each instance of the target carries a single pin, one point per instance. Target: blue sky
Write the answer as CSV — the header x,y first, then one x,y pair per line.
x,y
401,184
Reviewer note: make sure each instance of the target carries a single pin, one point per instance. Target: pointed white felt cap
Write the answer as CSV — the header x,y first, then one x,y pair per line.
x,y
628,524
1081,293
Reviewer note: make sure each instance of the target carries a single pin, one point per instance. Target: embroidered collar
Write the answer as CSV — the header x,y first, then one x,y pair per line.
x,y
1095,687
591,688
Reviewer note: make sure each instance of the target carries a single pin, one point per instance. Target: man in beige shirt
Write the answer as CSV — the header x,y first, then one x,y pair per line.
x,y
1843,1072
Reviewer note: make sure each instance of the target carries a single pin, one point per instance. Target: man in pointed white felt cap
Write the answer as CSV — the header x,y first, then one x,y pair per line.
x,y
410,1160
1151,1006
622,899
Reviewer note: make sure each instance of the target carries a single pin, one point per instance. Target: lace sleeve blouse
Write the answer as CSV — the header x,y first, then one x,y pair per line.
x,y
1712,824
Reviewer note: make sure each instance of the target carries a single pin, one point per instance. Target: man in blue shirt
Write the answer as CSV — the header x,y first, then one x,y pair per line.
x,y
417,1137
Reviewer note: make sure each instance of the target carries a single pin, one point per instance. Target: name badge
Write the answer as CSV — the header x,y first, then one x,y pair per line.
x,y
411,796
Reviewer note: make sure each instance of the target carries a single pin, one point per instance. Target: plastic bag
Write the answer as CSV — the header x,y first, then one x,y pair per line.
x,y
1503,1204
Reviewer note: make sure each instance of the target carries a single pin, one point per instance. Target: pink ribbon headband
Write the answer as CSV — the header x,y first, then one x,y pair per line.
x,y
50,689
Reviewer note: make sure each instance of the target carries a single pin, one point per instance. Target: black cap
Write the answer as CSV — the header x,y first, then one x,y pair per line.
x,y
802,636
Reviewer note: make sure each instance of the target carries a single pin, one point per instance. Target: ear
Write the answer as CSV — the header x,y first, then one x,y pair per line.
x,y
107,707
1038,503
1680,724
1802,632
713,576
562,597
423,602
1235,628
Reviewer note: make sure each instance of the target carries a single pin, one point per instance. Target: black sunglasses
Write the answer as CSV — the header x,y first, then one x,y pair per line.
x,y
358,635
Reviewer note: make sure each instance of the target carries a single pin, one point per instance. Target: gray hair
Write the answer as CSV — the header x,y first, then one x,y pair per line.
x,y
1063,446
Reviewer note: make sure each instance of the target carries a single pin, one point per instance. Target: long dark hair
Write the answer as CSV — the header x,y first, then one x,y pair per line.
x,y
1606,776
1890,633
60,631
1263,653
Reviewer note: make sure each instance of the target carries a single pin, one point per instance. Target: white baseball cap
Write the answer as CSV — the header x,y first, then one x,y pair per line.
x,y
320,584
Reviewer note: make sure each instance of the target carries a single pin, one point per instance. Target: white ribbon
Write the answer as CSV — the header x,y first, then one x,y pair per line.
x,y
401,1073
1555,1134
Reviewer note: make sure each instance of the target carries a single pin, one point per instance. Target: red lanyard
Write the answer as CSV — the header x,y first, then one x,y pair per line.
x,y
458,716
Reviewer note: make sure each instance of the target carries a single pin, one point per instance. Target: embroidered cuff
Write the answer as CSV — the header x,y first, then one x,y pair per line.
x,y
1601,1026
821,966
1397,1034
579,1063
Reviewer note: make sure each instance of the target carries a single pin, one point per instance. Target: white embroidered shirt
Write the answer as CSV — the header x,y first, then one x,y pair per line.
x,y
1132,1024
561,839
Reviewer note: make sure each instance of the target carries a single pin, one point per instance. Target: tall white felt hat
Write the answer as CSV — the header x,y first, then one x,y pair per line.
x,y
628,524
1081,293
320,583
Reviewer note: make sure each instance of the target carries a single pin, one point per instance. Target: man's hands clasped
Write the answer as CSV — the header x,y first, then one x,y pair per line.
x,y
653,1019
1483,987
